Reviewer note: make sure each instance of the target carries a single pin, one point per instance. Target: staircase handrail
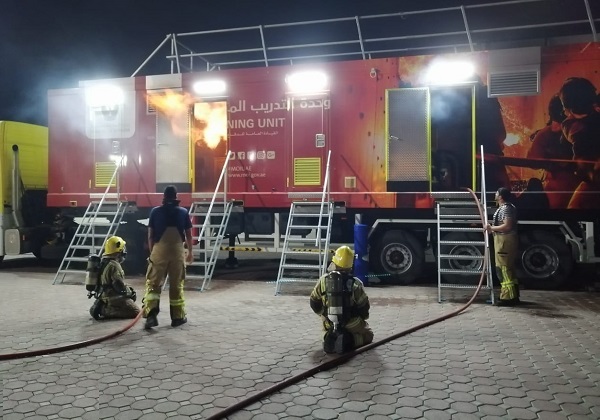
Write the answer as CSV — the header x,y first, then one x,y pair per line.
x,y
325,193
214,197
484,198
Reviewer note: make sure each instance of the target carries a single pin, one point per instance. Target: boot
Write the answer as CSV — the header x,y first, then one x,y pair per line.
x,y
151,320
177,322
344,342
97,310
507,302
329,342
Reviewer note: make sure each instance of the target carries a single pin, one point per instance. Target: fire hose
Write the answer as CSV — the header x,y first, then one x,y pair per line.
x,y
73,346
286,382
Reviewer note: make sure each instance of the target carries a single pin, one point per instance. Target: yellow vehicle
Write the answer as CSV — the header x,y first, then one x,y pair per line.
x,y
26,225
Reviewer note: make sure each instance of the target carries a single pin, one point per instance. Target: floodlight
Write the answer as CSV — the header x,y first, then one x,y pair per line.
x,y
105,96
307,82
210,87
446,72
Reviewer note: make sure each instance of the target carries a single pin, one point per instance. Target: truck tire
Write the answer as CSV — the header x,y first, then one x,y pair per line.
x,y
545,260
475,264
397,258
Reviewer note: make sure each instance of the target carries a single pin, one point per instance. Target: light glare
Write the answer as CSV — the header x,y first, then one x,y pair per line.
x,y
210,87
307,82
108,96
450,72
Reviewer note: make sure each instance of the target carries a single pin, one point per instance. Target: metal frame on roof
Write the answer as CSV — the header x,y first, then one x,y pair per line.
x,y
362,37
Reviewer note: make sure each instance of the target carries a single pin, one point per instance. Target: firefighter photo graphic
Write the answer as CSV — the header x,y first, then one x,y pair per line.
x,y
105,281
341,301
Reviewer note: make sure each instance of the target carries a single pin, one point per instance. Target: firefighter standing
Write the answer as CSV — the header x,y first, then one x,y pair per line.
x,y
340,299
115,299
506,246
169,227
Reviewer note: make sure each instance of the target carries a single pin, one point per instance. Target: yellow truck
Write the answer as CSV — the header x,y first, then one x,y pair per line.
x,y
26,224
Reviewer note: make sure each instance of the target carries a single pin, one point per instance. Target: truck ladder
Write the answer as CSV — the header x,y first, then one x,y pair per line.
x,y
462,240
317,215
305,215
90,236
214,217
212,221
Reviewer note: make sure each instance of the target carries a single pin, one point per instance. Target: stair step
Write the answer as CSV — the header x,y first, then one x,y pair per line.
x,y
304,252
76,259
298,280
71,271
442,242
90,235
463,286
304,240
461,257
212,214
299,266
461,229
458,271
307,227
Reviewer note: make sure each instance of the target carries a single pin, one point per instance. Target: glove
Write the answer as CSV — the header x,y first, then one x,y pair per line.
x,y
131,294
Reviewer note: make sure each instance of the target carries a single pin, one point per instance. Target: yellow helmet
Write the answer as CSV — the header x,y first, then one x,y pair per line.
x,y
344,257
113,245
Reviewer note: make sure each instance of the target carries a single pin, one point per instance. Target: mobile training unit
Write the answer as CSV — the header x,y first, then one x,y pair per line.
x,y
371,140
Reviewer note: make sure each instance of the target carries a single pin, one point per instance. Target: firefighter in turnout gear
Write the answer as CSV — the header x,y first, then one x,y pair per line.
x,y
169,227
506,247
340,299
114,298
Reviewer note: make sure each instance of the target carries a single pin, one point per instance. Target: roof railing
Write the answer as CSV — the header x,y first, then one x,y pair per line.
x,y
461,29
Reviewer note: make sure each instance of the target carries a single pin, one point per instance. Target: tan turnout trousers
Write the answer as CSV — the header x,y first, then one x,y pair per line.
x,y
167,259
507,249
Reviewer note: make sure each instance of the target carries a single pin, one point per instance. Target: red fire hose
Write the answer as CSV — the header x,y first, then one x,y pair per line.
x,y
78,345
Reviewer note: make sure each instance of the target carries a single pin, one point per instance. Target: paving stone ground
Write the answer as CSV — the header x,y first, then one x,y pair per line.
x,y
538,361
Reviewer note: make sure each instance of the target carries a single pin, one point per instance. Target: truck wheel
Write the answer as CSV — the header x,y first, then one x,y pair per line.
x,y
397,258
545,260
463,250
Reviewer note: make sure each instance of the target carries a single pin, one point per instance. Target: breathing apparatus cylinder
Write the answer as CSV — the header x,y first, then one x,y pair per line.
x,y
91,272
334,286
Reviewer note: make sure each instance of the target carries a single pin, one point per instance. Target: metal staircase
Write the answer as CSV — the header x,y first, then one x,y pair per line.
x,y
212,219
305,216
100,221
463,241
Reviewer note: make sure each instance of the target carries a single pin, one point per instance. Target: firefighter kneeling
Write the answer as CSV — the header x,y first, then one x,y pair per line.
x,y
105,281
341,301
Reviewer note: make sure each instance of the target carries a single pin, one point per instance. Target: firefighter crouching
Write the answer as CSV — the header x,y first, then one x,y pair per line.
x,y
340,299
168,227
106,282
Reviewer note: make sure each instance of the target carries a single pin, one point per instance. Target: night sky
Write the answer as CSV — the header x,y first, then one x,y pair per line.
x,y
49,44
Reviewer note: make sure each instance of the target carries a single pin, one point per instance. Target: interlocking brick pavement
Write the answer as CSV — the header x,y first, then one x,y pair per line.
x,y
538,361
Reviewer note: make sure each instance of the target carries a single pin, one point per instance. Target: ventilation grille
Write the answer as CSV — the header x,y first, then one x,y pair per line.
x,y
307,171
519,83
104,172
